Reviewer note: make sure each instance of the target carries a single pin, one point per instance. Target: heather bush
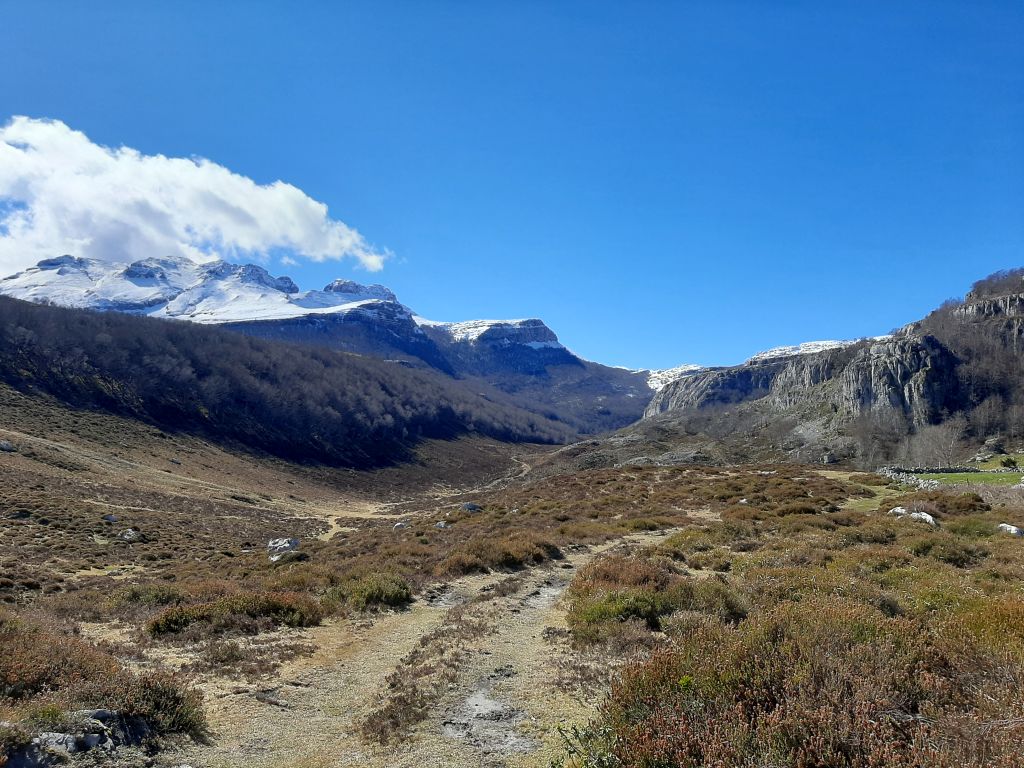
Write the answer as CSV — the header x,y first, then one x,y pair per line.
x,y
244,612
44,673
828,682
372,591
862,642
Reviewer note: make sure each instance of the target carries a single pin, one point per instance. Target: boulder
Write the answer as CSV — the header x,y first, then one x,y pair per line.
x,y
110,518
441,524
57,742
905,514
7,447
922,517
401,524
33,756
471,507
130,535
88,730
1013,530
278,548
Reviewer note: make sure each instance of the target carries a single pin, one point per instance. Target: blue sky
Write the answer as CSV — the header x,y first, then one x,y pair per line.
x,y
661,182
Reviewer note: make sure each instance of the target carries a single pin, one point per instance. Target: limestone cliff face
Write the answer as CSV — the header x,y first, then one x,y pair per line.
x,y
912,375
982,306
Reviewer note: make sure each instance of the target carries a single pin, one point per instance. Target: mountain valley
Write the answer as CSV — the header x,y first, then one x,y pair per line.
x,y
355,537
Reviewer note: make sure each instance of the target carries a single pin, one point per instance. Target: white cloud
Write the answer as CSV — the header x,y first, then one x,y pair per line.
x,y
61,193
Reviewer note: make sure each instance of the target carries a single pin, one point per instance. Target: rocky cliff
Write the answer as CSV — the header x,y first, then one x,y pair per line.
x,y
913,376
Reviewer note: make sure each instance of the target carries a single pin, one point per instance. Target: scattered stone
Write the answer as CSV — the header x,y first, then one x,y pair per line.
x,y
1013,530
278,548
270,697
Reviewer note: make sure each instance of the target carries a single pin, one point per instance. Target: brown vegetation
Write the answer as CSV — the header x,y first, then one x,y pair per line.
x,y
862,641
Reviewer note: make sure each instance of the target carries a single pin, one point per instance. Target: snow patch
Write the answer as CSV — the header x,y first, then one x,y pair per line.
x,y
658,380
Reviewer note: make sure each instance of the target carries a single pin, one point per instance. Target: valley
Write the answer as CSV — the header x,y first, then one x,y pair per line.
x,y
302,555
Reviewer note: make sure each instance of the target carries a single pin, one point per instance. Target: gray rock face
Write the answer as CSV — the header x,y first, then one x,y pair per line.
x,y
995,306
913,375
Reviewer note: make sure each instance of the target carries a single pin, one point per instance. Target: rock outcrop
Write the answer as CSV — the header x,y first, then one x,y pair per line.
x,y
914,376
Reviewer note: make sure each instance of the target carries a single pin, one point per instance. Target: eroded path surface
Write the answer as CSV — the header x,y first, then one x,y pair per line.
x,y
491,700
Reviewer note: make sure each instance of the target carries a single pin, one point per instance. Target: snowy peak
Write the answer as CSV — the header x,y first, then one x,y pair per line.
x,y
531,332
213,292
358,292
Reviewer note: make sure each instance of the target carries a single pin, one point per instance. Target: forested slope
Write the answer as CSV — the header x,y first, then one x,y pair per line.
x,y
296,402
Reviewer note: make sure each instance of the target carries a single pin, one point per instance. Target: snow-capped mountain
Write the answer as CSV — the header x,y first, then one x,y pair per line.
x,y
214,292
519,357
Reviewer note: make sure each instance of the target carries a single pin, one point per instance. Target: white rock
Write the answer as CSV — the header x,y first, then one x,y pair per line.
x,y
921,517
277,548
1013,530
441,524
400,525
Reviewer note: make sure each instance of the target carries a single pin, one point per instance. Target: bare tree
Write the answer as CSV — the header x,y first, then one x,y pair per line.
x,y
937,444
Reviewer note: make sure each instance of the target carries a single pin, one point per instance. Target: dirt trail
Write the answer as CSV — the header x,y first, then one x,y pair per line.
x,y
502,708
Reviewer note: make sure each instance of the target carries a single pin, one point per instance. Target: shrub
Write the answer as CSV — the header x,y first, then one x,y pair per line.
x,y
616,590
509,551
825,683
939,503
44,673
166,704
149,595
230,612
947,550
373,591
